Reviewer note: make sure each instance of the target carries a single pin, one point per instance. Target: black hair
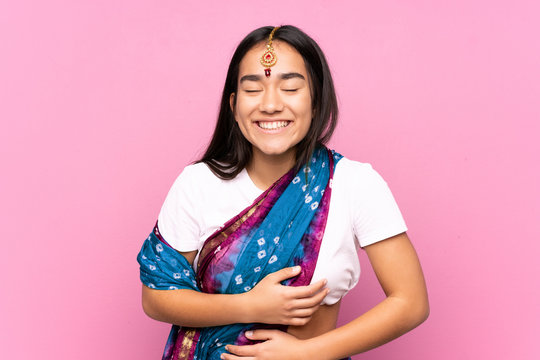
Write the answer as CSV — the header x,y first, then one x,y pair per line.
x,y
229,152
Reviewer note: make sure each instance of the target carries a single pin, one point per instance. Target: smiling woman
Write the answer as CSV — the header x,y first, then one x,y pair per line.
x,y
273,112
229,152
256,243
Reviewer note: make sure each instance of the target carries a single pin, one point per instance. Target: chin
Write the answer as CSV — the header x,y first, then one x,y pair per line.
x,y
275,150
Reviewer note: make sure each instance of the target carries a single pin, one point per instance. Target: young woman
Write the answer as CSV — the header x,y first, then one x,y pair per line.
x,y
256,243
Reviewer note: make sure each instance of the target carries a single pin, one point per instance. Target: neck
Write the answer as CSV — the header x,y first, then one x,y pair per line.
x,y
264,170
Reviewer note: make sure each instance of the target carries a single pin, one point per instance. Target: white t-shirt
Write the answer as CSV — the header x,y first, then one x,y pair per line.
x,y
362,212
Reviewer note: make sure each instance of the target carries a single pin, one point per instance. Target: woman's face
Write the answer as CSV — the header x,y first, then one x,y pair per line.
x,y
274,113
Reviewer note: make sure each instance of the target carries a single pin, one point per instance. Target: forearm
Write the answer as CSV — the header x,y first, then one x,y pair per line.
x,y
194,309
386,321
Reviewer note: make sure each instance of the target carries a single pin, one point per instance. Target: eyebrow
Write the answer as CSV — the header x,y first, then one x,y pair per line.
x,y
292,75
283,76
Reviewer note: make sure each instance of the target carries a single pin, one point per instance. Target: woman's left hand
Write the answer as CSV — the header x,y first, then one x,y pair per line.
x,y
277,345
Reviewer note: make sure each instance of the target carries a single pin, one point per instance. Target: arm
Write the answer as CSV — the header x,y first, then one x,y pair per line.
x,y
398,270
268,302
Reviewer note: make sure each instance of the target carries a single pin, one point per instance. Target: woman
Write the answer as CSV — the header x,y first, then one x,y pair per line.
x,y
256,243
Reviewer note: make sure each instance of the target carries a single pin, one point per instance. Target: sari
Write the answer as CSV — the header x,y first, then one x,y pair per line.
x,y
283,227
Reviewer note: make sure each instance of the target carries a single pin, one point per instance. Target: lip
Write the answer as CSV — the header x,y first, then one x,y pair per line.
x,y
272,131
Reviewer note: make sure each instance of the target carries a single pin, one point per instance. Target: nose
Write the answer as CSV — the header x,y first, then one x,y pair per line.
x,y
271,101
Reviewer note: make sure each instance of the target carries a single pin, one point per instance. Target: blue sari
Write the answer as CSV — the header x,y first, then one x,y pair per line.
x,y
283,227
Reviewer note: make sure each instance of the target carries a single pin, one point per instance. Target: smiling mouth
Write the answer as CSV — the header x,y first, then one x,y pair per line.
x,y
272,125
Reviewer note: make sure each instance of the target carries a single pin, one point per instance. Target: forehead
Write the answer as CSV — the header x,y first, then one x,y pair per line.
x,y
288,60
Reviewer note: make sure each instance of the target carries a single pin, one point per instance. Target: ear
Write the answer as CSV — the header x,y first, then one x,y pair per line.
x,y
231,101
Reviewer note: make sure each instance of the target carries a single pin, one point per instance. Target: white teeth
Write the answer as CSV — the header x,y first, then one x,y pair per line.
x,y
272,125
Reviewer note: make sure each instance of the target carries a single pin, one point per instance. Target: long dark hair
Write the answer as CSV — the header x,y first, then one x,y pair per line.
x,y
229,152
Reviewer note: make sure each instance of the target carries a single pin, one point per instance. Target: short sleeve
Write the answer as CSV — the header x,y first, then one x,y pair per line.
x,y
178,219
376,215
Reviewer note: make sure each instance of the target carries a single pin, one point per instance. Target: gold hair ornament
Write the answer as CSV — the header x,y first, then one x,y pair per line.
x,y
269,58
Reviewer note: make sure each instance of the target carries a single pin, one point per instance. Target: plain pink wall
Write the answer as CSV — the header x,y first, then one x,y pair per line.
x,y
104,102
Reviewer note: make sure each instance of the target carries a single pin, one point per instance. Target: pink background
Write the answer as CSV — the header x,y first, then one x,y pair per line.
x,y
104,102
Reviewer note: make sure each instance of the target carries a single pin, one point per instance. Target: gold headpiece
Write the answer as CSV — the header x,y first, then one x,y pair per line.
x,y
269,58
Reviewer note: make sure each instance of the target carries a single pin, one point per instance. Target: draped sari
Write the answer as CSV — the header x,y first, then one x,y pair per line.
x,y
283,227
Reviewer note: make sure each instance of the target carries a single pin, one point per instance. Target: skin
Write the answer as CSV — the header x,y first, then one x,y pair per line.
x,y
285,96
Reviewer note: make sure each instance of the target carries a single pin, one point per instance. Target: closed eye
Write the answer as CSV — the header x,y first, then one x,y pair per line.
x,y
290,90
252,91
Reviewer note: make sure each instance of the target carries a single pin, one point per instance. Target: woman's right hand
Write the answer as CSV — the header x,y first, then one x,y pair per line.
x,y
270,302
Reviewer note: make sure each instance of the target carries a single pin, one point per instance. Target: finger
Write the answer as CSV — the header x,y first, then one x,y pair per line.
x,y
309,302
309,290
285,273
302,313
241,350
299,321
262,334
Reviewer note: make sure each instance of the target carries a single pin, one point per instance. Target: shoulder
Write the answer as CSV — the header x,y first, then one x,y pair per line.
x,y
359,175
365,189
195,176
374,212
188,189
197,184
196,171
179,220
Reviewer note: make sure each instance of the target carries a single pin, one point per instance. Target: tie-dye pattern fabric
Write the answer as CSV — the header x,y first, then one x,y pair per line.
x,y
283,227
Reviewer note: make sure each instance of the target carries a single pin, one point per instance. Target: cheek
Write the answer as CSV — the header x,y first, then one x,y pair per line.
x,y
241,116
244,106
307,113
304,108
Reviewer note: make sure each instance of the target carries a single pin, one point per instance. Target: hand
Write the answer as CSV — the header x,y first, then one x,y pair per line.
x,y
277,345
272,303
